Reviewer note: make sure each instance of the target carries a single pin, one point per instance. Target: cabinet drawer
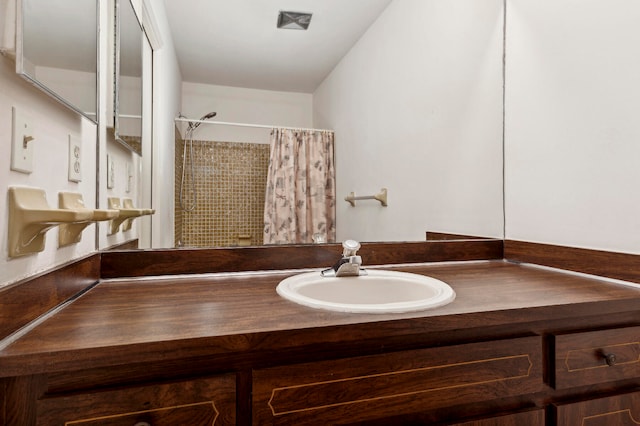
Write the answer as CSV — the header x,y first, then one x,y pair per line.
x,y
379,386
596,357
528,418
196,402
619,410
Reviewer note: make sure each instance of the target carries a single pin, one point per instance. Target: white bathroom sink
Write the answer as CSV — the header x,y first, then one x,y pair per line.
x,y
379,291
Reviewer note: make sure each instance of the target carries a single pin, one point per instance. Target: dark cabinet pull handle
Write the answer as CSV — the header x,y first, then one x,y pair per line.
x,y
610,359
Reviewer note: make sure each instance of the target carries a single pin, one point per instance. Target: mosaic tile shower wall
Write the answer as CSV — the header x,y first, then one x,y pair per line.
x,y
229,180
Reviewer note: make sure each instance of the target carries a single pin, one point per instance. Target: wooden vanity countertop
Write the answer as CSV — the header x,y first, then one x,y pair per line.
x,y
155,319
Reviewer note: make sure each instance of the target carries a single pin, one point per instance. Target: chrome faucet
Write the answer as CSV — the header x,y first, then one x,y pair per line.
x,y
349,264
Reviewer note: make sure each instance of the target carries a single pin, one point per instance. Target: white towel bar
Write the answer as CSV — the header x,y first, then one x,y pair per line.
x,y
381,196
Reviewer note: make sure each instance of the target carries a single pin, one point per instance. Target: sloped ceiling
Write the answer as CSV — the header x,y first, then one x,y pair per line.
x,y
236,42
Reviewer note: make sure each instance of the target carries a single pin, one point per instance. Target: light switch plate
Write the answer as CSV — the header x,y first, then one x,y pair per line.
x,y
129,177
111,172
22,142
75,156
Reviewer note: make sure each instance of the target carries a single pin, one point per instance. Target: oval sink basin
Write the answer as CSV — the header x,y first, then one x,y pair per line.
x,y
379,291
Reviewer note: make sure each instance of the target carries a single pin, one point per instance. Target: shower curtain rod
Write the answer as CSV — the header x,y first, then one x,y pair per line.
x,y
260,126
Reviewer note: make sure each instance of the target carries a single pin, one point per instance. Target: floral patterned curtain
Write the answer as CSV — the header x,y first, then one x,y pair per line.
x,y
300,198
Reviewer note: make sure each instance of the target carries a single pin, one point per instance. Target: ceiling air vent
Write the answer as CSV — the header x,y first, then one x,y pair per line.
x,y
294,20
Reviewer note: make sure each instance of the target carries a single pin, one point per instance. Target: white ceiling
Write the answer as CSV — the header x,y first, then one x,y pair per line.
x,y
237,43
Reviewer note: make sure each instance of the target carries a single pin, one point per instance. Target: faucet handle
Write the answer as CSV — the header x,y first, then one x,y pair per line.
x,y
350,247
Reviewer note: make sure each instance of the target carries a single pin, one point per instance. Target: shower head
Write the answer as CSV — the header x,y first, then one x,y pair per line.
x,y
209,115
193,125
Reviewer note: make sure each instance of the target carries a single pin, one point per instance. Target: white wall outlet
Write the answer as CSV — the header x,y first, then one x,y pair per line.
x,y
22,142
111,172
75,164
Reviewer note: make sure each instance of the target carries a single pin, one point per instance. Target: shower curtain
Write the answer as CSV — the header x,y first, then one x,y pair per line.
x,y
300,197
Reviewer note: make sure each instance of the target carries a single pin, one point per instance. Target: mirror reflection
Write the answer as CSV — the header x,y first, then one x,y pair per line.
x,y
57,50
128,77
410,89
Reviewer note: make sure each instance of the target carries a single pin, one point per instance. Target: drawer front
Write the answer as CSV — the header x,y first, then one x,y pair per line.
x,y
198,402
596,357
528,418
380,386
204,414
619,410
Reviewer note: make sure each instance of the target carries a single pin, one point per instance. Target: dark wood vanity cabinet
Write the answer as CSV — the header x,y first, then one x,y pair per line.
x,y
378,386
617,410
534,371
522,381
597,357
200,402
526,418
519,346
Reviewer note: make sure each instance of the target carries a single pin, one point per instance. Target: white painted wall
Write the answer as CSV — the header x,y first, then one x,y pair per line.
x,y
52,125
243,105
417,108
167,99
572,128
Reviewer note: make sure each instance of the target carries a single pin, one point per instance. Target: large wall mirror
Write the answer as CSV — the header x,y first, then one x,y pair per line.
x,y
130,39
415,100
57,50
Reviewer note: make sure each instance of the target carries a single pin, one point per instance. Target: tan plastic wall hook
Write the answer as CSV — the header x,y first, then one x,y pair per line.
x,y
30,217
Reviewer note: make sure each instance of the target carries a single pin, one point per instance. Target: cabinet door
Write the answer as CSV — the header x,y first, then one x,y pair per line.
x,y
619,410
207,402
379,386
